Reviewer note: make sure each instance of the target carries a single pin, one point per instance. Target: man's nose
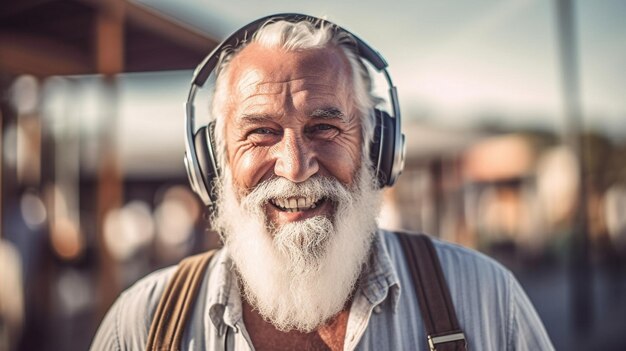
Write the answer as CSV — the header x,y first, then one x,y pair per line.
x,y
296,160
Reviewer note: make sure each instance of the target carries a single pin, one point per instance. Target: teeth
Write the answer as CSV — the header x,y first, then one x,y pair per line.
x,y
296,204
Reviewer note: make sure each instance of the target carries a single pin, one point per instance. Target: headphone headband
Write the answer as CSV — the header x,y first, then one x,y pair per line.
x,y
204,69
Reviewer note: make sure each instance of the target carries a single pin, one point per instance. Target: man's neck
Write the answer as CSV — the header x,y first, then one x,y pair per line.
x,y
265,336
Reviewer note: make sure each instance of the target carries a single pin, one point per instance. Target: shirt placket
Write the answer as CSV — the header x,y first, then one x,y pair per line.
x,y
360,314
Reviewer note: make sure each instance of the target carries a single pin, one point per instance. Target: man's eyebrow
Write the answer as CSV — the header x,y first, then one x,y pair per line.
x,y
328,113
253,118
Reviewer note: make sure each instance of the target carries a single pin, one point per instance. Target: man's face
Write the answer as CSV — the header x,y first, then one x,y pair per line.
x,y
297,203
291,115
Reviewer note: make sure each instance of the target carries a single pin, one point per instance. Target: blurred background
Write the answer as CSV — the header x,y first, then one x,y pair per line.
x,y
514,114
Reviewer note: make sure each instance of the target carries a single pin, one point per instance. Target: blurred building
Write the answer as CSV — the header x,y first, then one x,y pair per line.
x,y
80,237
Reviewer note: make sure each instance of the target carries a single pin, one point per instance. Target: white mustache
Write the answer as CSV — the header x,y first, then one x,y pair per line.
x,y
316,187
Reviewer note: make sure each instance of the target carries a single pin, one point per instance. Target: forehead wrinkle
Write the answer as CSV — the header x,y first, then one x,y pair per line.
x,y
253,118
249,78
315,88
318,95
253,89
250,85
259,106
260,94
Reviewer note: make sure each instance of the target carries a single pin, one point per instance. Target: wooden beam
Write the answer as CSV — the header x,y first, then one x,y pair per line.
x,y
109,56
168,27
27,54
12,8
109,38
159,23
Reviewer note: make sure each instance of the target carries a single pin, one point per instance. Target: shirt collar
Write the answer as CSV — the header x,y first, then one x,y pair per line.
x,y
223,298
379,279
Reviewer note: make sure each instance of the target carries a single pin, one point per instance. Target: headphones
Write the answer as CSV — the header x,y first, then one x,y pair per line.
x,y
387,149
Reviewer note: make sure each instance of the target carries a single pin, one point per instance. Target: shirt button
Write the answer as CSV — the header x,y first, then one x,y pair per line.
x,y
377,309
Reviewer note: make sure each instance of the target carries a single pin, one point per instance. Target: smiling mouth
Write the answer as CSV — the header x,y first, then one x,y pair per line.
x,y
297,204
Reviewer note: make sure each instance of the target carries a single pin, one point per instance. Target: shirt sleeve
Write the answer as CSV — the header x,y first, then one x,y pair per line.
x,y
126,325
107,336
526,331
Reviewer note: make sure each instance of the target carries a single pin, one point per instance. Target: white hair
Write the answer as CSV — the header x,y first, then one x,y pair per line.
x,y
299,36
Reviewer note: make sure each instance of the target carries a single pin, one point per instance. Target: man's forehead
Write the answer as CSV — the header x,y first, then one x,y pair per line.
x,y
255,62
264,81
254,82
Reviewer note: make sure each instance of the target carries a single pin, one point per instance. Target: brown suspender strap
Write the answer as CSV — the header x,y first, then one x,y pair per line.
x,y
442,326
168,323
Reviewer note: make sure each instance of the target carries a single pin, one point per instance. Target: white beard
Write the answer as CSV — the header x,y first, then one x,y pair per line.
x,y
300,274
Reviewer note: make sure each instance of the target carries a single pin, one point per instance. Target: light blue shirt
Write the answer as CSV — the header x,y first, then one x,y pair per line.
x,y
493,310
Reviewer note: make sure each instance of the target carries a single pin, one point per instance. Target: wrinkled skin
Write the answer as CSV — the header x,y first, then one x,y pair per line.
x,y
291,115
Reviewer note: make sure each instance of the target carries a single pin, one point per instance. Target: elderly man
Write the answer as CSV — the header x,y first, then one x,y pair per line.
x,y
304,266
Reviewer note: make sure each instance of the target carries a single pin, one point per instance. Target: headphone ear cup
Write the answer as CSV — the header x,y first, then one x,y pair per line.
x,y
382,148
203,141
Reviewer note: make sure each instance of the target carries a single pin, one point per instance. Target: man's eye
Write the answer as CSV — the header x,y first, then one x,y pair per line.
x,y
263,131
262,136
321,128
322,131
